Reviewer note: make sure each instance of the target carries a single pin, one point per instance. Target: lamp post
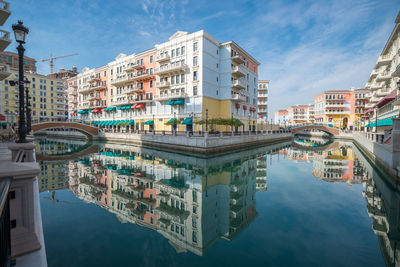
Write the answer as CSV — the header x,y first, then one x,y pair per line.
x,y
249,123
232,122
20,32
206,120
154,125
192,115
174,127
28,110
271,124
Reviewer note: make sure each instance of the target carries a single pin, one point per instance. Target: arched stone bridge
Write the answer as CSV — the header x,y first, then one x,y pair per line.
x,y
330,130
89,131
87,151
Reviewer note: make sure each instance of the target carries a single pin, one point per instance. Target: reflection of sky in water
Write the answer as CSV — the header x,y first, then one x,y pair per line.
x,y
300,218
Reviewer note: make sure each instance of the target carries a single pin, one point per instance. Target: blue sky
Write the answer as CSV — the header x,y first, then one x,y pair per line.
x,y
304,47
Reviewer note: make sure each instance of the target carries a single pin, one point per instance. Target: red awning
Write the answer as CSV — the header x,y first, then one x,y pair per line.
x,y
237,105
2,117
386,99
260,115
134,106
141,105
244,107
96,110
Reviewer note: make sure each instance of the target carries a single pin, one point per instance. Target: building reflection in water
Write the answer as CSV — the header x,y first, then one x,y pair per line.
x,y
190,201
342,161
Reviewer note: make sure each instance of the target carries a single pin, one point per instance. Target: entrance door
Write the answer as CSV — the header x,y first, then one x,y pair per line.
x,y
345,123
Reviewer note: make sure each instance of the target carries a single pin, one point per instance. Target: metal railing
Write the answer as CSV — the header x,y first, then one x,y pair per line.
x,y
5,236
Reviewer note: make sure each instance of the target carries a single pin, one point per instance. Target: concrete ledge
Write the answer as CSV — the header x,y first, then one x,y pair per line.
x,y
199,145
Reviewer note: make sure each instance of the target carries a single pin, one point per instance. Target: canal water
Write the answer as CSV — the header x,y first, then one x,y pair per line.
x,y
286,204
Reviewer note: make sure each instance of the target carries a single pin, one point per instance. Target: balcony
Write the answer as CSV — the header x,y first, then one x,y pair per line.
x,y
376,86
133,66
262,103
4,12
121,80
259,95
134,90
367,85
142,75
162,58
384,60
238,84
262,110
93,97
4,39
374,73
384,76
170,69
336,105
396,72
337,112
118,102
238,98
94,79
374,99
237,59
73,92
162,85
369,105
169,95
238,71
4,71
382,92
60,108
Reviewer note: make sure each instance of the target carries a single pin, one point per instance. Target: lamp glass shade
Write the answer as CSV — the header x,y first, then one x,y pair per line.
x,y
20,32
20,36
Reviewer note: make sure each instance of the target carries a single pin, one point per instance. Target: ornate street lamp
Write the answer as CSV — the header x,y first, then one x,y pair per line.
x,y
27,106
20,33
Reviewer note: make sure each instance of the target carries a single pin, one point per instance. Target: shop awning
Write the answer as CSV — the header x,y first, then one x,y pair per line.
x,y
131,122
170,102
188,121
96,110
110,109
244,107
172,121
134,106
179,102
237,105
141,105
384,122
385,100
3,123
149,122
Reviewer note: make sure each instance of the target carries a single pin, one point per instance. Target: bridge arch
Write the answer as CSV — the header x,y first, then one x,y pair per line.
x,y
330,130
88,130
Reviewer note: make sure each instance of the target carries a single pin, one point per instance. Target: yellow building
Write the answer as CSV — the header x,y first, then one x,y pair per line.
x,y
48,98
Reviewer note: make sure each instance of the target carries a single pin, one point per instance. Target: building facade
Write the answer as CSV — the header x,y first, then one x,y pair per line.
x,y
64,74
383,96
48,98
299,114
262,100
341,108
175,85
11,59
281,117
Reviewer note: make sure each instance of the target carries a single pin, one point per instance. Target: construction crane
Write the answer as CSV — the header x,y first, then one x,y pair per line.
x,y
51,59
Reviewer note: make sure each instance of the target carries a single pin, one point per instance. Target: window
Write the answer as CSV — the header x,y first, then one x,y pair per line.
x,y
195,90
182,50
195,61
195,47
151,83
182,78
173,53
194,75
172,79
177,78
194,209
151,59
194,222
105,73
194,196
194,237
177,52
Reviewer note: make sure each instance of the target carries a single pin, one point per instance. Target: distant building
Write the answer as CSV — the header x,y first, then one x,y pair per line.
x,y
300,114
11,59
341,108
4,40
262,100
281,117
64,74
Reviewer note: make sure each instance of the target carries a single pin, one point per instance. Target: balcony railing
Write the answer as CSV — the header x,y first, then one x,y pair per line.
x,y
169,95
4,11
238,71
238,84
376,86
374,73
383,92
237,59
133,66
4,39
162,58
384,76
173,68
163,84
237,97
122,80
4,71
143,75
384,60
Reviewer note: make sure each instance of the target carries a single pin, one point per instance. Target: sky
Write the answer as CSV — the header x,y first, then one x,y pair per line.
x,y
304,47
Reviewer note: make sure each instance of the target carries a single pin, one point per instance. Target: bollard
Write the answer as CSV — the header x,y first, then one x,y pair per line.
x,y
163,132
